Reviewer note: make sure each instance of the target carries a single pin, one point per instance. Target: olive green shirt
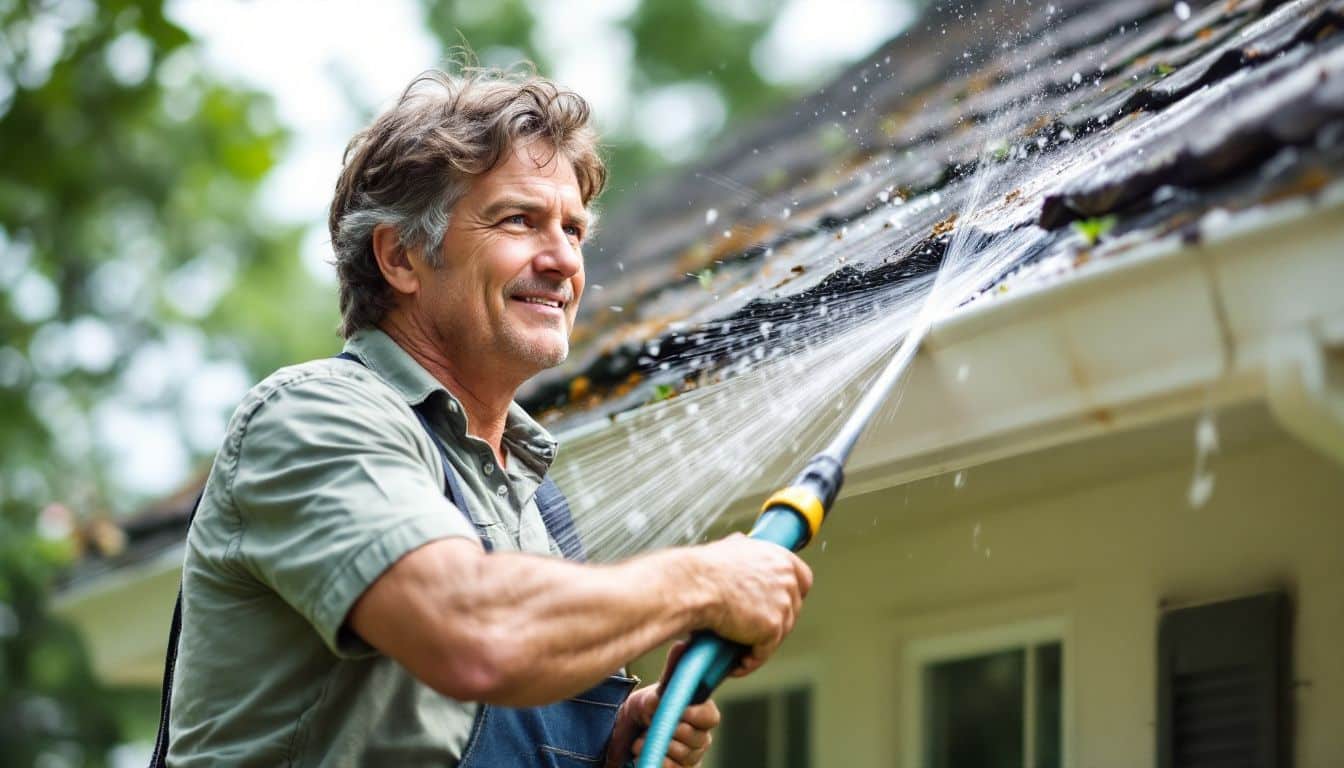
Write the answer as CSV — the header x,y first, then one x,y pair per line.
x,y
325,479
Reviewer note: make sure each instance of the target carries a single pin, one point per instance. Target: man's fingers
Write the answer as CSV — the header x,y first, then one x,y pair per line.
x,y
692,737
701,717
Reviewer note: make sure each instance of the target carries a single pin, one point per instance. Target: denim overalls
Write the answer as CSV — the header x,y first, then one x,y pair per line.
x,y
569,733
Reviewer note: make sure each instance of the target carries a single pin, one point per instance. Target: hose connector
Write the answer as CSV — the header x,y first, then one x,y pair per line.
x,y
811,493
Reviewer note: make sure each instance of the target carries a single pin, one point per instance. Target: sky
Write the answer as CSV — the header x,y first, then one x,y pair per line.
x,y
329,70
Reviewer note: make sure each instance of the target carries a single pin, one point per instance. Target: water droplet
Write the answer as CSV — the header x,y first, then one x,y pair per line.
x,y
692,409
636,522
1077,78
1066,135
959,480
620,265
712,215
653,347
786,213
1201,489
766,327
1182,11
975,538
963,372
823,545
616,308
727,233
1206,435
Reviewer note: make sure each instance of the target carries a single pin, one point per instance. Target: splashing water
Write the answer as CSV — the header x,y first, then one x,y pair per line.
x,y
665,473
1206,444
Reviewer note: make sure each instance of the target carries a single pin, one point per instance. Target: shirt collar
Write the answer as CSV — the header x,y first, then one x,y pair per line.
x,y
524,438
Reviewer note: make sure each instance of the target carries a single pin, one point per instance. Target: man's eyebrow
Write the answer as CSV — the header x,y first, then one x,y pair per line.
x,y
529,205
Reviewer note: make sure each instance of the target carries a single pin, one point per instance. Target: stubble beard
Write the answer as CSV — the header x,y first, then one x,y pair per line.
x,y
538,356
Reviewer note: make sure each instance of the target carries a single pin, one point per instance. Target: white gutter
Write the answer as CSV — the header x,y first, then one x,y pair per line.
x,y
1254,312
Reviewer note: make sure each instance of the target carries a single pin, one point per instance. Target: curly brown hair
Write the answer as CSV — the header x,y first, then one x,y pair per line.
x,y
417,159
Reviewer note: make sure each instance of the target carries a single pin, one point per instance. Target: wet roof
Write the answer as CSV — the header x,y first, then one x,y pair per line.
x,y
1152,113
1133,118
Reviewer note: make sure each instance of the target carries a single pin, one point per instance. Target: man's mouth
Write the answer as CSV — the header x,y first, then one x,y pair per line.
x,y
543,302
552,301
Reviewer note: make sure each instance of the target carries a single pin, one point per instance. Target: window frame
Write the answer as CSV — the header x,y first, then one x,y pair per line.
x,y
921,652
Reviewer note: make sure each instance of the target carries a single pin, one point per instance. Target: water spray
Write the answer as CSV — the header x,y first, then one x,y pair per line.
x,y
790,518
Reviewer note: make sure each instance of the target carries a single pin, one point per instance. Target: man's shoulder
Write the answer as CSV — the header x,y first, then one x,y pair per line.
x,y
316,387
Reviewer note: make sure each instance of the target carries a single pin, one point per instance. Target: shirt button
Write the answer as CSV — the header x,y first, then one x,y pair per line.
x,y
502,490
488,468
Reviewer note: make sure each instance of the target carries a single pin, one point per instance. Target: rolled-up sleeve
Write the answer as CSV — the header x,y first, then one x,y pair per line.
x,y
335,482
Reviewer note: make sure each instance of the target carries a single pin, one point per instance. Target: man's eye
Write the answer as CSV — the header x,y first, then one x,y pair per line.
x,y
574,231
516,219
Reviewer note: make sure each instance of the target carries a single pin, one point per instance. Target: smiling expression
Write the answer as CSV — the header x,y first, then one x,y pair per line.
x,y
512,274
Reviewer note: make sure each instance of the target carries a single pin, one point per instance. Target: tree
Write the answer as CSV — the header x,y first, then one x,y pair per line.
x,y
128,180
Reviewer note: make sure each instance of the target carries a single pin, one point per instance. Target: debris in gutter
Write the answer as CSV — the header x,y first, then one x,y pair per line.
x,y
1093,229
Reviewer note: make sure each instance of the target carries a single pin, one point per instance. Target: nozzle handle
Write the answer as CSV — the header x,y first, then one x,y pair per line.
x,y
778,524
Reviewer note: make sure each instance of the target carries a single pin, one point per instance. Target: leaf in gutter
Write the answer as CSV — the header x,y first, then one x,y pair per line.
x,y
1093,229
664,392
1164,69
705,277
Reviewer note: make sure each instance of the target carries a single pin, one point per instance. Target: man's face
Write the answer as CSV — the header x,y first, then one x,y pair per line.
x,y
512,272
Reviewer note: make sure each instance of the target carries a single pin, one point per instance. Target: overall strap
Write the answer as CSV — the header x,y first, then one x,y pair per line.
x,y
159,759
559,520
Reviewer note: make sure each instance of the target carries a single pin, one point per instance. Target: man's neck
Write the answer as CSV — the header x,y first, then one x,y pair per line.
x,y
484,398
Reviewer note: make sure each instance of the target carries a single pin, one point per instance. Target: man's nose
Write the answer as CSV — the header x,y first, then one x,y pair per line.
x,y
559,255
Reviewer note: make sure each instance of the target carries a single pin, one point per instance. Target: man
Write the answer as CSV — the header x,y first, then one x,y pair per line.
x,y
373,575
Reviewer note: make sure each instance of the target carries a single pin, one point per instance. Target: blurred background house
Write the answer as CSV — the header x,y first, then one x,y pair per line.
x,y
1100,524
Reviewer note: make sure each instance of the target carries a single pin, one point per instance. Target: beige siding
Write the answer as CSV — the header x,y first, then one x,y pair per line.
x,y
1099,536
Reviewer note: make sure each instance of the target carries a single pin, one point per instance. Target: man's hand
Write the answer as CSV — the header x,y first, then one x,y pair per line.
x,y
690,741
760,589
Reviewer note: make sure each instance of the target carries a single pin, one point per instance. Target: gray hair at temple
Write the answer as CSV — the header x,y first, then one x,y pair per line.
x,y
418,159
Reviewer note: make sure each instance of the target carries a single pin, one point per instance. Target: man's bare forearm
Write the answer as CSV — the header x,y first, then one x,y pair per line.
x,y
557,628
519,630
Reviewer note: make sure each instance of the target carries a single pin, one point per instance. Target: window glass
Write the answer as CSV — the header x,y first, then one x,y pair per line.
x,y
974,713
772,730
744,735
798,728
1049,683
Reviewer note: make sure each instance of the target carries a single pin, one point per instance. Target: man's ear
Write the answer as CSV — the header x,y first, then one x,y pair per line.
x,y
393,260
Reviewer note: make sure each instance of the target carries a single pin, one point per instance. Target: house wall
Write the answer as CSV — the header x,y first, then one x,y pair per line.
x,y
1060,537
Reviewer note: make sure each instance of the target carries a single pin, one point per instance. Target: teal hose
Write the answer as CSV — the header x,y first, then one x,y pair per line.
x,y
709,658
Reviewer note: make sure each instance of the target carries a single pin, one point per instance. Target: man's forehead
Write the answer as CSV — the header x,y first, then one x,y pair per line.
x,y
536,166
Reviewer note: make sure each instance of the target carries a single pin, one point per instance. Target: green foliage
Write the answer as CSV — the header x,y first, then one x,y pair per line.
x,y
50,703
1093,229
126,170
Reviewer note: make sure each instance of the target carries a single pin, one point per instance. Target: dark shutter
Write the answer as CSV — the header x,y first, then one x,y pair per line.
x,y
1223,682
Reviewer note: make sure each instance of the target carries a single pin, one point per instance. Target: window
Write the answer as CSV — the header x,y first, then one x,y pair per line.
x,y
771,730
991,700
